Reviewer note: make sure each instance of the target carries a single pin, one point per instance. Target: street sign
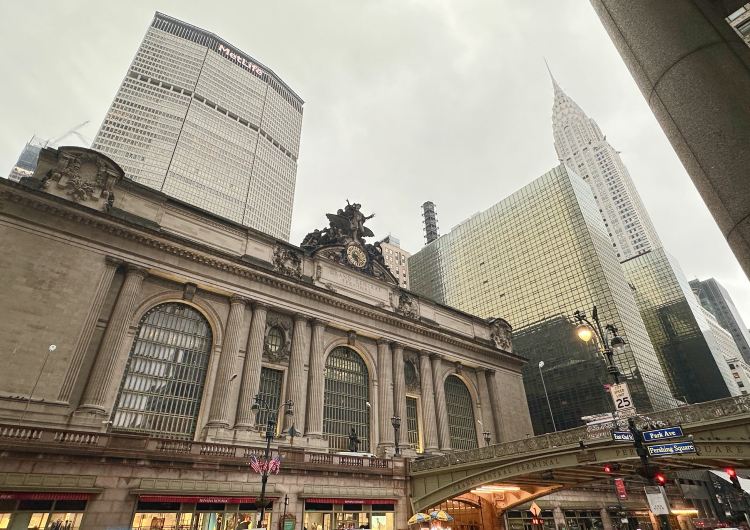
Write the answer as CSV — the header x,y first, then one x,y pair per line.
x,y
675,448
624,406
535,509
662,434
657,501
622,493
622,436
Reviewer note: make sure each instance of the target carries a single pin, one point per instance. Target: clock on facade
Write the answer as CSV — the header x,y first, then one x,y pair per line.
x,y
356,256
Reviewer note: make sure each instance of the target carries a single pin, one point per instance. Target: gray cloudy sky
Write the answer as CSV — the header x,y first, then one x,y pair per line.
x,y
405,101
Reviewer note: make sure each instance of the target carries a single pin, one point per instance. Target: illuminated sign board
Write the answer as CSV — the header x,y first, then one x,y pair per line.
x,y
240,60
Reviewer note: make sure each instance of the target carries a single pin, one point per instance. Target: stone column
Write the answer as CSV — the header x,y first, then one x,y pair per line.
x,y
441,410
399,390
316,381
385,393
559,517
107,370
251,370
488,418
219,414
606,519
428,403
694,71
491,381
295,382
89,324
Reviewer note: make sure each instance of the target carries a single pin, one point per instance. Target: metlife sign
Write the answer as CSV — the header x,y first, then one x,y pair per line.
x,y
666,433
676,448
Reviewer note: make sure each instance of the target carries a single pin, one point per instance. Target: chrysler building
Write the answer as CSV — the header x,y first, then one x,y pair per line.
x,y
582,147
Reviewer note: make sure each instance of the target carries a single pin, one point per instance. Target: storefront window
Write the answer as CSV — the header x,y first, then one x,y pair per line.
x,y
27,511
323,516
198,516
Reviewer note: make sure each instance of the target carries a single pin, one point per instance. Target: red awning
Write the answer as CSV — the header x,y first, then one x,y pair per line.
x,y
205,499
43,496
351,501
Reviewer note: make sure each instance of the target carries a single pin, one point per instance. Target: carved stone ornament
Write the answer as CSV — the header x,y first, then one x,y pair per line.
x,y
287,262
407,306
343,241
411,375
501,334
283,326
83,175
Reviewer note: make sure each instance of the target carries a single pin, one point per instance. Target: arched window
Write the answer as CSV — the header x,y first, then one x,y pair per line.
x,y
346,399
161,391
460,414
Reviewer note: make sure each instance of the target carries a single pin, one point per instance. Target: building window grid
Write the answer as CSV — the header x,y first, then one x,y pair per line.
x,y
269,392
412,423
460,408
346,399
163,383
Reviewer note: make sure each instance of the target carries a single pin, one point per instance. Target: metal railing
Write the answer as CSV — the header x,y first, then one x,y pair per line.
x,y
719,409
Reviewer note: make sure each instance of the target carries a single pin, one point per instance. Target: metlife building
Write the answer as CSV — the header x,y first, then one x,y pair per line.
x,y
207,124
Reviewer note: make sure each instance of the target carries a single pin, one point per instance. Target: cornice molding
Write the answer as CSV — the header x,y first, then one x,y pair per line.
x,y
176,245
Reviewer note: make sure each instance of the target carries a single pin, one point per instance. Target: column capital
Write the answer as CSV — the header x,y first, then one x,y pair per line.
x,y
301,317
383,341
397,346
259,305
238,299
435,356
319,322
136,270
480,369
113,261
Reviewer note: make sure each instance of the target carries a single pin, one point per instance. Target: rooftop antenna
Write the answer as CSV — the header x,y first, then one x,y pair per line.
x,y
429,214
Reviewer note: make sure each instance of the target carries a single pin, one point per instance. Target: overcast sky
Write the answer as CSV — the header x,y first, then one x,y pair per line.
x,y
405,101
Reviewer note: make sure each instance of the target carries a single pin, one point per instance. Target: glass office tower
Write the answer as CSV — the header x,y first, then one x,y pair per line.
x,y
205,123
716,299
535,258
689,351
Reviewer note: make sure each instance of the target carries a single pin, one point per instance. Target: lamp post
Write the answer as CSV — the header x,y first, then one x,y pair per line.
x,y
50,349
586,330
262,404
396,422
552,416
487,437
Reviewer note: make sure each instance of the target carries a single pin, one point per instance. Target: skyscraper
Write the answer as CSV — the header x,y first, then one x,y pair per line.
x,y
26,163
201,121
716,299
740,21
536,257
396,259
581,145
689,349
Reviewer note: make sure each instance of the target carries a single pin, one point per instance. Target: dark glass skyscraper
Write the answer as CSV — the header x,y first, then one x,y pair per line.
x,y
681,335
205,123
536,257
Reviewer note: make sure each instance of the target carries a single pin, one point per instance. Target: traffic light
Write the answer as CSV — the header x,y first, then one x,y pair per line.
x,y
733,477
659,478
611,467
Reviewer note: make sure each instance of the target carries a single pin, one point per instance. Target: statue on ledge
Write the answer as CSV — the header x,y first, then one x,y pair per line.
x,y
353,441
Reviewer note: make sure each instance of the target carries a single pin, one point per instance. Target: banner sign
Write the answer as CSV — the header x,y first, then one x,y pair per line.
x,y
622,493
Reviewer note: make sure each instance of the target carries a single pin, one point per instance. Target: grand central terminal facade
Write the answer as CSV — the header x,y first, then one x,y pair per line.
x,y
151,350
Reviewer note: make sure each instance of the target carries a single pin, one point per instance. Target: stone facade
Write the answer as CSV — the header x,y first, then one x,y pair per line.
x,y
93,254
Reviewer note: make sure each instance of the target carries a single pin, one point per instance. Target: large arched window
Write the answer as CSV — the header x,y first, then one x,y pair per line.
x,y
460,414
161,391
346,399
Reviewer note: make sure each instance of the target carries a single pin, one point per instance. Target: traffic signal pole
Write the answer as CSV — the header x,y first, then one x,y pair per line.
x,y
656,478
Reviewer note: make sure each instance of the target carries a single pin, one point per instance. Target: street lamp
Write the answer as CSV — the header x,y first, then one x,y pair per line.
x,y
396,422
487,437
616,345
552,416
262,405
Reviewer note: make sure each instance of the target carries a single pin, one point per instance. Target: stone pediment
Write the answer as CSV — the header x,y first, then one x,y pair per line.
x,y
79,174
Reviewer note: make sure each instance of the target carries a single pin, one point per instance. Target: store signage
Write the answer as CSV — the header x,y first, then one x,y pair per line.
x,y
350,501
43,496
622,493
662,434
622,436
676,448
196,499
239,59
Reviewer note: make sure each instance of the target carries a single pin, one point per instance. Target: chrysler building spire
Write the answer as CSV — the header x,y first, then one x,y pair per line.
x,y
582,147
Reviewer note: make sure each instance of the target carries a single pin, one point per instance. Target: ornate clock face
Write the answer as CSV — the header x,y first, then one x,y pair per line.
x,y
356,256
